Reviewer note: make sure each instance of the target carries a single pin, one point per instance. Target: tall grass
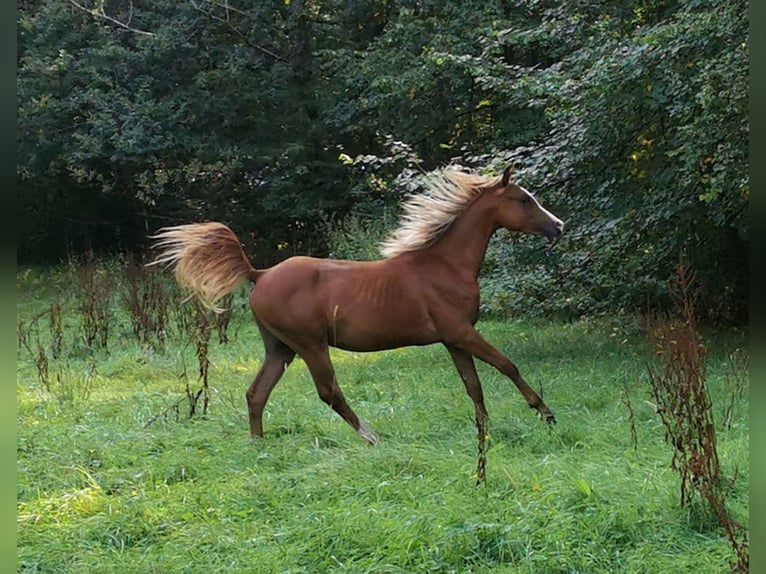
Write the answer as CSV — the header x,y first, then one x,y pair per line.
x,y
100,491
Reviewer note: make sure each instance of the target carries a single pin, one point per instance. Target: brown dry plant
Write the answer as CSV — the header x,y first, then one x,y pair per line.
x,y
679,388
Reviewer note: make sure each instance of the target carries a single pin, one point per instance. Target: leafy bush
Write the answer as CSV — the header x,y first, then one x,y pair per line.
x,y
358,237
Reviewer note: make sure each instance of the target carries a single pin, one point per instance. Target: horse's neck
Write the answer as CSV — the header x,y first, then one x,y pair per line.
x,y
465,243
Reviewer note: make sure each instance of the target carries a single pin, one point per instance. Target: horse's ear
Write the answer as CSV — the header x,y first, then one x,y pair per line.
x,y
507,175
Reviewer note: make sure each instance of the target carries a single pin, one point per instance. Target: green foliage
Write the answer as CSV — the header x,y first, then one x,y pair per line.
x,y
629,118
205,119
408,81
612,103
631,162
359,238
99,491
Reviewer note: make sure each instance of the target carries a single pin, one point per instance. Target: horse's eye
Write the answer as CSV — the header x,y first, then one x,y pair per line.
x,y
525,200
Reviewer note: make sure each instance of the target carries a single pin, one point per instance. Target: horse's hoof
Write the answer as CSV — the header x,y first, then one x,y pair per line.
x,y
368,434
548,417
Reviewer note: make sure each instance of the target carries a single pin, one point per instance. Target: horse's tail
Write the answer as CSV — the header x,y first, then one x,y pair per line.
x,y
208,259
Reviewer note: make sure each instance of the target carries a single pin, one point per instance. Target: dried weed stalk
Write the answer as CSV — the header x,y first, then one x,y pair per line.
x,y
147,302
678,385
96,287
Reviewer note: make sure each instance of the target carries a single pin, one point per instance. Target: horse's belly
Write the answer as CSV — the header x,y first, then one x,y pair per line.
x,y
372,342
371,333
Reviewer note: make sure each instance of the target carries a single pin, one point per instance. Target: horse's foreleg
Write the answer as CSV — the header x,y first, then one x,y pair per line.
x,y
465,366
467,369
476,345
323,373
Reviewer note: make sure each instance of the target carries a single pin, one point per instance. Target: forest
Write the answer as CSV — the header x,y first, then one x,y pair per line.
x,y
298,122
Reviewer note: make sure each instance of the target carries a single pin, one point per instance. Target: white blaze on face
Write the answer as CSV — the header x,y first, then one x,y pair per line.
x,y
553,218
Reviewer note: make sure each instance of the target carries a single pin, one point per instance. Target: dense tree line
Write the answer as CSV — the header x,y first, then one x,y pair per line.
x,y
285,118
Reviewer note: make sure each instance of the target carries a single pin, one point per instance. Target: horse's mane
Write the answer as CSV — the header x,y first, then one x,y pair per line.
x,y
426,216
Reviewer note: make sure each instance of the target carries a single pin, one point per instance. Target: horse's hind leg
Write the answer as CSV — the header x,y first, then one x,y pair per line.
x,y
323,373
278,357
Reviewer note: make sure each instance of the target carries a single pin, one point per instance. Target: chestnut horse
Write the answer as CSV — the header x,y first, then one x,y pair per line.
x,y
425,290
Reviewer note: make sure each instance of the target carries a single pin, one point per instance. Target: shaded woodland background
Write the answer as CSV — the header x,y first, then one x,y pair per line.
x,y
301,122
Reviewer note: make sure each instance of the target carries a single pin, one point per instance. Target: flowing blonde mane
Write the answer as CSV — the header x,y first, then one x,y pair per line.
x,y
426,216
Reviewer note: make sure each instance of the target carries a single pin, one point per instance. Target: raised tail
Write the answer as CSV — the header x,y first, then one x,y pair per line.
x,y
208,259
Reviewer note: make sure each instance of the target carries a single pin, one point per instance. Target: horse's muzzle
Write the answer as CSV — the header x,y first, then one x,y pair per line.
x,y
554,229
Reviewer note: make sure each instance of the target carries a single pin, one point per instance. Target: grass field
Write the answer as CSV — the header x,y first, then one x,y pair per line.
x,y
100,491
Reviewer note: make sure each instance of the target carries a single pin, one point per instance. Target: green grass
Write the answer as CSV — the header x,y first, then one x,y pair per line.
x,y
98,491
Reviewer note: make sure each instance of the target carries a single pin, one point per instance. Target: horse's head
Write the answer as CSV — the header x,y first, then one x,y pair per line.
x,y
518,210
